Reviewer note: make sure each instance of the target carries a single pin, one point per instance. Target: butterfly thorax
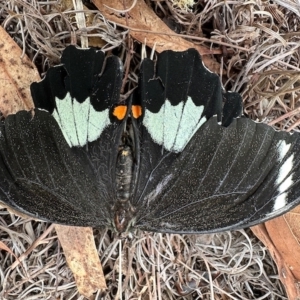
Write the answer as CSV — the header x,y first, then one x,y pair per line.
x,y
123,210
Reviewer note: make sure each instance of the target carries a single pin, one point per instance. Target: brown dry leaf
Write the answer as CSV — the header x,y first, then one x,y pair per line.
x,y
293,220
149,28
17,73
283,237
82,257
278,237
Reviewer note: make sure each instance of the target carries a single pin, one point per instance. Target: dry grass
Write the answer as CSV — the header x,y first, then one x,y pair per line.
x,y
230,265
155,266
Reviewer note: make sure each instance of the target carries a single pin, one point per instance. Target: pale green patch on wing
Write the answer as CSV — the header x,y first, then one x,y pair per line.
x,y
192,121
65,119
172,117
98,121
174,126
81,114
154,122
80,123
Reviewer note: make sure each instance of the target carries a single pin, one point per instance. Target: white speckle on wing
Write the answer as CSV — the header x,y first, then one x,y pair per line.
x,y
158,189
283,148
283,182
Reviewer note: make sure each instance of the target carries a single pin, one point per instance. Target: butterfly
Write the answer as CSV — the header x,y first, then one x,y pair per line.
x,y
177,156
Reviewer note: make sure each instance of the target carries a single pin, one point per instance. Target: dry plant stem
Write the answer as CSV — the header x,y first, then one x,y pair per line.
x,y
38,241
124,10
81,21
213,51
33,276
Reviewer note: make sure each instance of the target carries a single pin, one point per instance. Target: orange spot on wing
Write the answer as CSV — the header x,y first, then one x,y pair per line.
x,y
120,112
136,111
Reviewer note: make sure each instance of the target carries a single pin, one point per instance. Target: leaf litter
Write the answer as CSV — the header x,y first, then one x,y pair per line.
x,y
262,65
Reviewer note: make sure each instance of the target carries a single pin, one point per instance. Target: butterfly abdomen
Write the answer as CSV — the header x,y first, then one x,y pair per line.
x,y
124,169
123,211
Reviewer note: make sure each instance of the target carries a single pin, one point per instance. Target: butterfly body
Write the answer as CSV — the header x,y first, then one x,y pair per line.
x,y
177,156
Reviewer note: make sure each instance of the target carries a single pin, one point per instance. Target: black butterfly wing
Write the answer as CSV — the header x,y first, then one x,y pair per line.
x,y
177,96
43,177
212,177
227,178
58,162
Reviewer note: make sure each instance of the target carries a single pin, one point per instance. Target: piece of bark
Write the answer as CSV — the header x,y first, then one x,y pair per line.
x,y
82,257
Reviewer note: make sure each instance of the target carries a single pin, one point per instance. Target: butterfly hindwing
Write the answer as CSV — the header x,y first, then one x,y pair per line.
x,y
43,172
227,178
